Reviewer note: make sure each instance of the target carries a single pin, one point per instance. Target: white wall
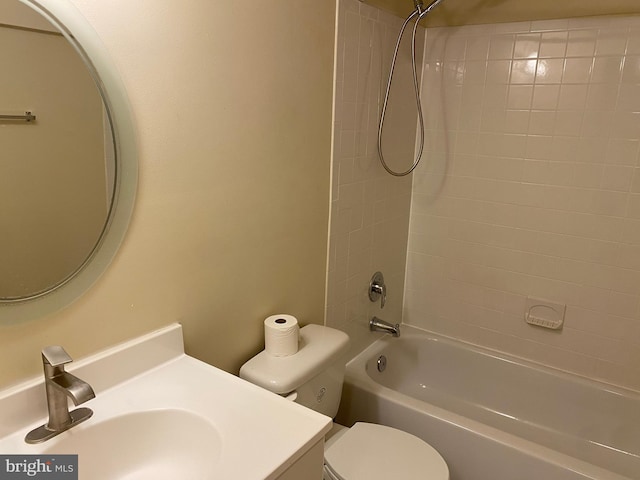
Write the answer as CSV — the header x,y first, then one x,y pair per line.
x,y
369,208
532,188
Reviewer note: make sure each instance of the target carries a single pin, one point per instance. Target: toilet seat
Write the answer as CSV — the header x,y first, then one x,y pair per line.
x,y
368,451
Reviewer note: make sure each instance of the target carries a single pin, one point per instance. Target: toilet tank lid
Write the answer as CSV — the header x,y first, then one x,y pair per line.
x,y
318,347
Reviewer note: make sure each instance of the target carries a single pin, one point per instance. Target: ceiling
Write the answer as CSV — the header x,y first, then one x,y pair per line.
x,y
467,12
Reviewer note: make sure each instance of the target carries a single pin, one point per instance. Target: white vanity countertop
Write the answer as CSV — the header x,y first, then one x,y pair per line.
x,y
259,434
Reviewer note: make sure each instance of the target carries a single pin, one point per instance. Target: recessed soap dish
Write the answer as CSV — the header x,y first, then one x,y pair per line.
x,y
543,313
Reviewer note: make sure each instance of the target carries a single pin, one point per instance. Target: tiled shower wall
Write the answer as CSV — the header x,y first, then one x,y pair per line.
x,y
531,187
369,208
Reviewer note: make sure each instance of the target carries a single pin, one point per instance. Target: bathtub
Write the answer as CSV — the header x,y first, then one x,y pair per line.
x,y
492,416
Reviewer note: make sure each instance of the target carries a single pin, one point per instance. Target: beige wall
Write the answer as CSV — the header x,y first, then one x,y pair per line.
x,y
532,188
233,114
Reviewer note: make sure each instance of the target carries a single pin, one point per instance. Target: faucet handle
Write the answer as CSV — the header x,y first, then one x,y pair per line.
x,y
55,355
377,289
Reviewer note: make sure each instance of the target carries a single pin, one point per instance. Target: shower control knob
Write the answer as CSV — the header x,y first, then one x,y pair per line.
x,y
377,289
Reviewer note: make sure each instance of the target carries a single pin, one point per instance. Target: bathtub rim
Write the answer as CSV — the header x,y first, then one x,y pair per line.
x,y
356,376
409,331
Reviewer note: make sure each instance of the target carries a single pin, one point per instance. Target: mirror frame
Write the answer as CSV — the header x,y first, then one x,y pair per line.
x,y
79,33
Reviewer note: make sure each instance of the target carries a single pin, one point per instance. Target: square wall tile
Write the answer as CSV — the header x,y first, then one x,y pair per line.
x,y
498,71
553,44
577,70
611,41
523,71
549,70
631,70
545,97
581,43
526,45
519,97
607,69
501,47
622,152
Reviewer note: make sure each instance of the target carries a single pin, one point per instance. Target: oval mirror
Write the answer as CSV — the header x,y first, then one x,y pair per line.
x,y
68,166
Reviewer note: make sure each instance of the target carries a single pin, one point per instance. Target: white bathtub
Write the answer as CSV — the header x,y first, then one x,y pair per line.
x,y
495,417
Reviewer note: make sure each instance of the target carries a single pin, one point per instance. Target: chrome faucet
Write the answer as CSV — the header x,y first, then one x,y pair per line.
x,y
378,325
58,386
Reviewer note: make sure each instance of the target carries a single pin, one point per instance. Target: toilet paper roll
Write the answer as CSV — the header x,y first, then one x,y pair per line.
x,y
281,335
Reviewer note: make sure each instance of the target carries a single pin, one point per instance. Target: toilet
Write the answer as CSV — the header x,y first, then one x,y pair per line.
x,y
313,377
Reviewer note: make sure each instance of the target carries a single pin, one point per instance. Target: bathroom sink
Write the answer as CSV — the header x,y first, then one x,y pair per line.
x,y
158,444
161,414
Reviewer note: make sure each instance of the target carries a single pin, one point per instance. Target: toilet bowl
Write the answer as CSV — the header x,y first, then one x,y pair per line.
x,y
370,451
313,377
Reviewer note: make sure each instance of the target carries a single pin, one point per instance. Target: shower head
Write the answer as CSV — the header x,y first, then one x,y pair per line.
x,y
421,9
430,7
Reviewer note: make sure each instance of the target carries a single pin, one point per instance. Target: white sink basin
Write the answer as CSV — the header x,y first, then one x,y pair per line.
x,y
160,414
158,444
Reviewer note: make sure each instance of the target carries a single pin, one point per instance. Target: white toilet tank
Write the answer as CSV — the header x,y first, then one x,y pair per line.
x,y
312,377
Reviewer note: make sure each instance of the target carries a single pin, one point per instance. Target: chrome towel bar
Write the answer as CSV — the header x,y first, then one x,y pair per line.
x,y
27,117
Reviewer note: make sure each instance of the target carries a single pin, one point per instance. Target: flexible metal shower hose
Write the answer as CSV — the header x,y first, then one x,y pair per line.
x,y
419,12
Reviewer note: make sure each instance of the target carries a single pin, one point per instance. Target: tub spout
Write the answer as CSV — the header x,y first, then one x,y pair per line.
x,y
378,325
